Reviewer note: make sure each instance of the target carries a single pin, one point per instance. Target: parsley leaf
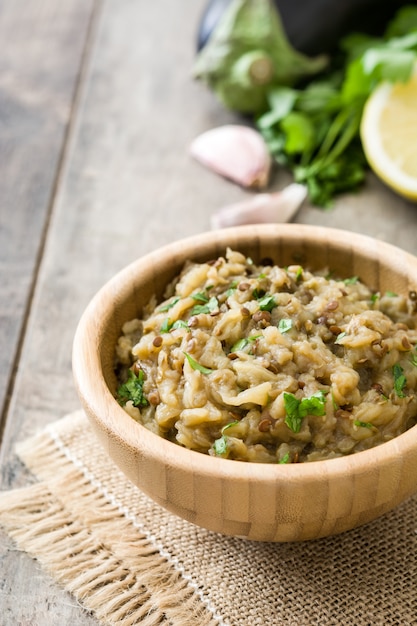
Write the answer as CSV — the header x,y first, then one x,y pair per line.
x,y
169,305
340,336
267,303
220,445
284,325
200,297
293,419
211,306
400,380
132,390
313,405
239,345
166,326
299,274
242,343
334,403
353,280
180,324
197,366
229,425
363,424
297,409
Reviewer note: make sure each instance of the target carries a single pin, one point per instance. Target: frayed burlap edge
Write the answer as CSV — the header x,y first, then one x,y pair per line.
x,y
93,549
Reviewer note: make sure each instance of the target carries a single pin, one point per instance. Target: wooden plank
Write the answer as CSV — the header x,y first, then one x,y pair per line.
x,y
128,187
43,45
114,177
375,211
42,48
29,598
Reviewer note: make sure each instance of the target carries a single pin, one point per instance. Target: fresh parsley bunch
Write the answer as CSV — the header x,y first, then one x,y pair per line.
x,y
314,131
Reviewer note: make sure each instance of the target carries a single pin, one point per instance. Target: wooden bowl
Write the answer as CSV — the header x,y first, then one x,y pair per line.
x,y
258,501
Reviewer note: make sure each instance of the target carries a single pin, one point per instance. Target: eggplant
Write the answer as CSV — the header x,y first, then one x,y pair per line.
x,y
247,53
248,47
314,27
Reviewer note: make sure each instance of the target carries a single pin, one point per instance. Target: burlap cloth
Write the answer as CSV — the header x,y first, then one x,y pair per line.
x,y
130,562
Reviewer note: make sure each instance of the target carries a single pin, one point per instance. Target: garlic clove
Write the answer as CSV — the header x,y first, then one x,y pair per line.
x,y
236,152
278,207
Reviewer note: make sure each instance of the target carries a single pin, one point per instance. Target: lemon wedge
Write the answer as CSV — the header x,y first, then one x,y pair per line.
x,y
389,135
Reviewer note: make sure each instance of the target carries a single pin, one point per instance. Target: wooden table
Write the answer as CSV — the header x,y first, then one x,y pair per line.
x,y
97,109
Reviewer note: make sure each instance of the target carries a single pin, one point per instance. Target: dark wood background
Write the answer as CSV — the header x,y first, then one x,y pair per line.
x,y
97,110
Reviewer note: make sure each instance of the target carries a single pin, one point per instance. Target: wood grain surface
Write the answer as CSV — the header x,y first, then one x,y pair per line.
x,y
97,109
42,53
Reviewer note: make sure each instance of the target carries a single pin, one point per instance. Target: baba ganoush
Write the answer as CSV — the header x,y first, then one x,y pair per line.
x,y
261,363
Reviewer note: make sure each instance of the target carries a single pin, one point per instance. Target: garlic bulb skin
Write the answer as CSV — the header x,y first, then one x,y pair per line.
x,y
236,152
277,207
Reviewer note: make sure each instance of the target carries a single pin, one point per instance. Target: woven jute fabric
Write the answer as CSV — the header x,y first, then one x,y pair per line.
x,y
131,562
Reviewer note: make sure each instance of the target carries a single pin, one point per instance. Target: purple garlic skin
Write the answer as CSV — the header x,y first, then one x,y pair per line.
x,y
236,152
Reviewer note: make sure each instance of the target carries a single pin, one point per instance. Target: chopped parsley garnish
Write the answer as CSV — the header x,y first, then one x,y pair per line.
x,y
197,366
297,409
400,380
391,294
168,306
239,345
166,325
293,418
211,306
132,390
229,425
353,280
313,405
285,458
284,325
242,343
200,297
267,303
363,424
220,445
413,360
299,274
180,324
339,337
200,308
334,403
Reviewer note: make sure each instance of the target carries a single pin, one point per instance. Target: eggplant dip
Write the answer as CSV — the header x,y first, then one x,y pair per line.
x,y
271,364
